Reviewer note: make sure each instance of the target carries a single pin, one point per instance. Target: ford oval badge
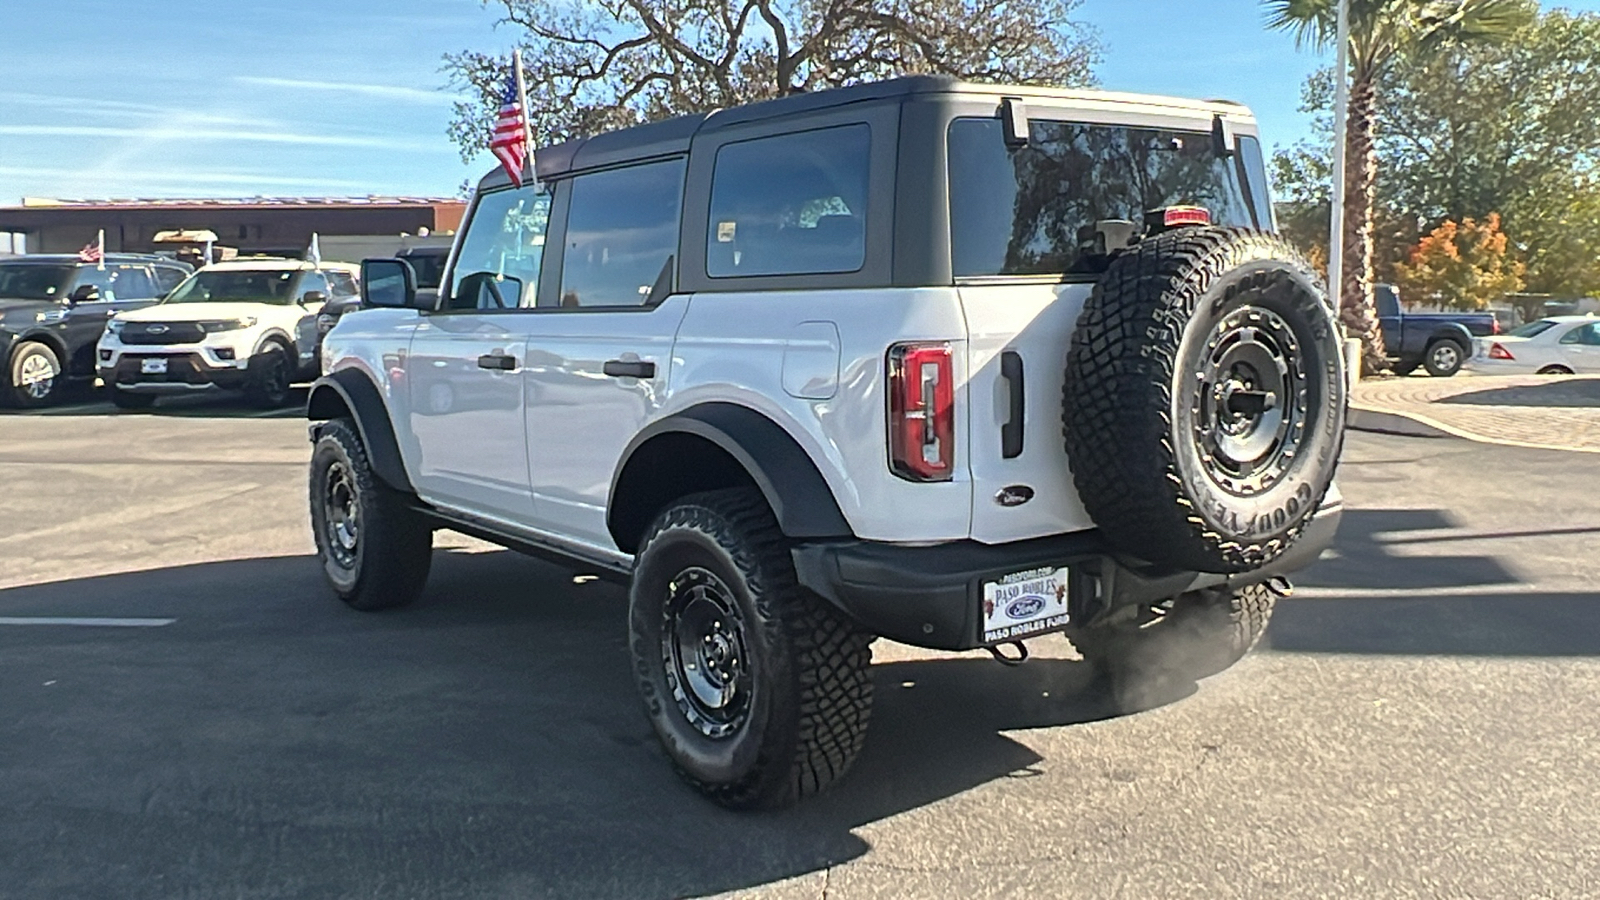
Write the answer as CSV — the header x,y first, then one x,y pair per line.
x,y
1014,495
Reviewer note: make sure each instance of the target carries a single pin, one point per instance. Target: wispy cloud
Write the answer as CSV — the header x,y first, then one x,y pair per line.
x,y
102,107
137,180
384,91
182,134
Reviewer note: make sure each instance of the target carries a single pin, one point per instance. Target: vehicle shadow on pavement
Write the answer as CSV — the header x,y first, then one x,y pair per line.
x,y
487,741
1559,392
1489,615
83,401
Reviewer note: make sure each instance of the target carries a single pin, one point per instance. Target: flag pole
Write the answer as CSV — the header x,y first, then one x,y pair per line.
x,y
522,100
1341,114
101,244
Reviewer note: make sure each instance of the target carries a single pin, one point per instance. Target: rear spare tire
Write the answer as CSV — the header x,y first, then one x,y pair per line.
x,y
1205,399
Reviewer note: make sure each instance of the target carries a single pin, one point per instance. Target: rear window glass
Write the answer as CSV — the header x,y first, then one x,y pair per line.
x,y
790,205
1531,329
1032,210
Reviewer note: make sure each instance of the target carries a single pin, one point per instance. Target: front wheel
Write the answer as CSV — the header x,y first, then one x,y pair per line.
x,y
270,375
375,548
1142,660
757,688
1443,358
36,376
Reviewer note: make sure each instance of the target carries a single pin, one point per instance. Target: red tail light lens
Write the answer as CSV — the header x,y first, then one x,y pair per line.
x,y
922,416
1498,352
1174,216
1494,325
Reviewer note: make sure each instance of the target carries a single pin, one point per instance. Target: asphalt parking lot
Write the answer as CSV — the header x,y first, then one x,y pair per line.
x,y
1421,723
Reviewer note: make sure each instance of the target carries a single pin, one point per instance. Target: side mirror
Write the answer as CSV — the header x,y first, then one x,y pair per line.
x,y
486,290
313,297
85,293
389,283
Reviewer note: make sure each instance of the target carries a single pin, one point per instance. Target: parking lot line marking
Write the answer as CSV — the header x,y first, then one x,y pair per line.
x,y
1308,592
90,621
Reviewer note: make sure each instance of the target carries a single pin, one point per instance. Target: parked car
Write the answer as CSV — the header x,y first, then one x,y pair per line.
x,y
1439,342
427,267
247,325
1560,345
798,373
53,308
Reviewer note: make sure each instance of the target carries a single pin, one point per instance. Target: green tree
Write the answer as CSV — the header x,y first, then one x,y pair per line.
x,y
594,65
1381,33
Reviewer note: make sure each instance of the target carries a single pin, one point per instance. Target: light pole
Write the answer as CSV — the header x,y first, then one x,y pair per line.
x,y
1341,114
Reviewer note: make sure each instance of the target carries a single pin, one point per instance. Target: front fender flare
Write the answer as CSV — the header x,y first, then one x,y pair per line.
x,y
350,392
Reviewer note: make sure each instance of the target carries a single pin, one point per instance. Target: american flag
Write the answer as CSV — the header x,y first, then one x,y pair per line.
x,y
510,141
89,253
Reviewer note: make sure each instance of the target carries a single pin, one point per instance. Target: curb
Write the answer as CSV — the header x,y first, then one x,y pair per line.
x,y
1380,421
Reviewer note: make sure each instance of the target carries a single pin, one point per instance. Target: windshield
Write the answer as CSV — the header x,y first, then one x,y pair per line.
x,y
276,286
30,281
1032,210
1532,328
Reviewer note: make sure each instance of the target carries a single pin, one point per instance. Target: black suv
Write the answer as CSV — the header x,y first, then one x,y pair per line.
x,y
53,308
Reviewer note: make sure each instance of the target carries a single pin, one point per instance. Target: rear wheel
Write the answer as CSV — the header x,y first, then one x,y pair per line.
x,y
36,376
270,375
375,548
1146,659
1443,358
757,688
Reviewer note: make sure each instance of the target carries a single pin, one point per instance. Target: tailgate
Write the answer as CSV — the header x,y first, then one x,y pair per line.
x,y
1018,335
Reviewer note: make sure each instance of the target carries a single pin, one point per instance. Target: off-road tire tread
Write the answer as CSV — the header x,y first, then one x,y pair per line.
x,y
1116,418
830,656
396,541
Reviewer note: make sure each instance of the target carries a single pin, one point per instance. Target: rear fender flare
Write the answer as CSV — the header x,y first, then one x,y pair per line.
x,y
349,393
794,488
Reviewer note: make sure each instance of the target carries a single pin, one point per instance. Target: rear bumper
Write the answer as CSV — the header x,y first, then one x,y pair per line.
x,y
930,596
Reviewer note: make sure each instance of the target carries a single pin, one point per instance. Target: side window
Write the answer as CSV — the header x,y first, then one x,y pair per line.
x,y
1587,334
621,231
791,204
340,284
505,239
167,278
1591,335
1255,176
311,281
104,279
1386,300
132,283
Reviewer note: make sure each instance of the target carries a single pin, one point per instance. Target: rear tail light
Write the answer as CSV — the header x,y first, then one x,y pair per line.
x,y
922,417
1494,325
1496,351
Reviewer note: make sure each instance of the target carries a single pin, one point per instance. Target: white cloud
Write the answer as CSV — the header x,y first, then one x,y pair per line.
x,y
136,181
383,91
122,109
187,134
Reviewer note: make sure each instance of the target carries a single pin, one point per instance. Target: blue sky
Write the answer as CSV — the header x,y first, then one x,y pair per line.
x,y
140,98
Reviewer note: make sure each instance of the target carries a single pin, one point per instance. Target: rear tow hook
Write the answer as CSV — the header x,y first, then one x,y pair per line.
x,y
1019,659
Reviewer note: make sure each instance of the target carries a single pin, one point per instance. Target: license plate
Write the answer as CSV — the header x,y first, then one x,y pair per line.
x,y
1024,604
153,366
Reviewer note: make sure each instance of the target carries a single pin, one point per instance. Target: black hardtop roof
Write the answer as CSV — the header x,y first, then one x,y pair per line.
x,y
672,136
73,258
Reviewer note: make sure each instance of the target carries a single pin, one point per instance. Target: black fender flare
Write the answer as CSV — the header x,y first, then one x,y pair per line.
x,y
794,487
350,392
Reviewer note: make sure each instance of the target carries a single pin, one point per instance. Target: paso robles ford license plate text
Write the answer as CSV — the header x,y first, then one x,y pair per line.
x,y
1023,604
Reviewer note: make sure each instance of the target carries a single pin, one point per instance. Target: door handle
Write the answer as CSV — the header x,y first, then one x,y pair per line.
x,y
1011,432
629,368
500,361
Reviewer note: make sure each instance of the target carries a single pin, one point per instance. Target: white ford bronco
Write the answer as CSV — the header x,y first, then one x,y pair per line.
x,y
951,364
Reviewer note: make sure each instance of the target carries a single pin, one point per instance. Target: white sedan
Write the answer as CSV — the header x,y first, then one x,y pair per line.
x,y
1561,345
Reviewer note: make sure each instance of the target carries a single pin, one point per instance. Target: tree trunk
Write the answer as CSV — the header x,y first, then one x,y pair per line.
x,y
1356,308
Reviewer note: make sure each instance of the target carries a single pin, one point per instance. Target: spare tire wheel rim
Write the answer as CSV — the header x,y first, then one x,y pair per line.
x,y
1249,402
704,652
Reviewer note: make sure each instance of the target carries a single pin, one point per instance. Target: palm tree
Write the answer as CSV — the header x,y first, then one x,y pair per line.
x,y
1382,31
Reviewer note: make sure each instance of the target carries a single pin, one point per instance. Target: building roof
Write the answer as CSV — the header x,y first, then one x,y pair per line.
x,y
236,203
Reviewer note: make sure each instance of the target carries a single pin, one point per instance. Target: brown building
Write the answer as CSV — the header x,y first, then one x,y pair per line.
x,y
260,225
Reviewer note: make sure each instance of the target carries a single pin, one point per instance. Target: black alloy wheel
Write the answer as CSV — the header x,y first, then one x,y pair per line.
x,y
269,378
704,652
1249,402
